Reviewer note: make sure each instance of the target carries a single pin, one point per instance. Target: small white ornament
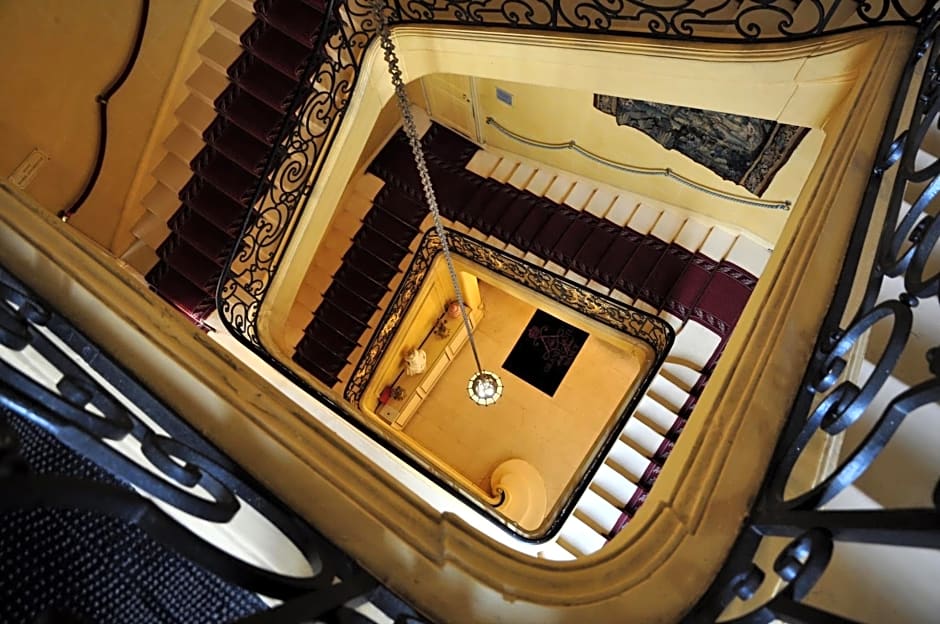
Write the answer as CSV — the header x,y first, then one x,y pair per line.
x,y
416,362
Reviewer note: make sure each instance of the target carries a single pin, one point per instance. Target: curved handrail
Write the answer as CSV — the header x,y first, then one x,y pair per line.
x,y
637,170
102,99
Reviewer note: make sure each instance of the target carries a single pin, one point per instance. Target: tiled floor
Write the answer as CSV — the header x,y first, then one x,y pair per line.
x,y
554,434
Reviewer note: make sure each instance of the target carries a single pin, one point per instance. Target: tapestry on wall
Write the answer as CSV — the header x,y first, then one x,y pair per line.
x,y
545,351
745,150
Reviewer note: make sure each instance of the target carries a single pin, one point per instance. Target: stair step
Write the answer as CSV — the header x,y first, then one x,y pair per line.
x,y
601,202
522,175
294,18
231,20
264,82
160,201
182,293
656,415
237,145
225,175
554,551
206,82
183,142
172,172
368,186
626,459
504,169
615,487
644,439
195,113
212,204
559,188
597,511
667,393
151,229
249,113
594,248
580,195
483,163
219,51
582,538
540,182
683,376
622,210
276,49
202,234
749,255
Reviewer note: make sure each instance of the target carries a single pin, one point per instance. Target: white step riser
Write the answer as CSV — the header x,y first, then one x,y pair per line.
x,y
579,536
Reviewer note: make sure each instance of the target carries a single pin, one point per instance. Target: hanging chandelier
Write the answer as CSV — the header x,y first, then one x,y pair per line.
x,y
485,387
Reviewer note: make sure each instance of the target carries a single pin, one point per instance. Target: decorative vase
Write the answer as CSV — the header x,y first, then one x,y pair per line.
x,y
416,362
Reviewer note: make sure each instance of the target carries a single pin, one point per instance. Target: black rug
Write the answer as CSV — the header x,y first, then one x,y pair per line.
x,y
545,351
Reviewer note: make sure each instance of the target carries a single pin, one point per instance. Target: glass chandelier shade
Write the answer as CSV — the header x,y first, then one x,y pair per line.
x,y
485,387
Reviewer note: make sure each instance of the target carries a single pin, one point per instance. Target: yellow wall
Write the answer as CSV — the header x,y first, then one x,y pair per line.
x,y
388,121
449,98
58,55
422,315
802,83
555,115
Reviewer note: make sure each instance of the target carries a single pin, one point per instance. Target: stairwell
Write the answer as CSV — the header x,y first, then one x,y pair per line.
x,y
226,131
694,274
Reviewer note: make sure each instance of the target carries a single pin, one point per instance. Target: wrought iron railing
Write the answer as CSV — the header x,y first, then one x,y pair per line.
x,y
825,402
60,382
828,403
320,105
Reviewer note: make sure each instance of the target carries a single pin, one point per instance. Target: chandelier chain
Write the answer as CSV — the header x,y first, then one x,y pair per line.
x,y
411,131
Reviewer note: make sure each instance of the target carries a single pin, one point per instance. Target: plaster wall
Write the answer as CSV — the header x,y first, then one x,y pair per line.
x,y
57,56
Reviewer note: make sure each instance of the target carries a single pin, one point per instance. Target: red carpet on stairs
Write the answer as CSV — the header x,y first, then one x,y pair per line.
x,y
238,144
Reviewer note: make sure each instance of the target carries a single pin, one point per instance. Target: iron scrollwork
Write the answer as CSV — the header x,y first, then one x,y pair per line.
x,y
54,378
725,20
828,404
348,29
823,404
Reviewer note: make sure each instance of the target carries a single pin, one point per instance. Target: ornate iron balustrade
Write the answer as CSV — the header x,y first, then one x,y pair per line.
x,y
824,402
331,75
827,404
54,378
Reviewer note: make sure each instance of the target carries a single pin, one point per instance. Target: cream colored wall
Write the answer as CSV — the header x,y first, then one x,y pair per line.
x,y
555,115
388,121
558,115
449,98
57,56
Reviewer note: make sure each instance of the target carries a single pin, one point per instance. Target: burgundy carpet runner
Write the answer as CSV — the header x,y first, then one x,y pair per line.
x,y
238,143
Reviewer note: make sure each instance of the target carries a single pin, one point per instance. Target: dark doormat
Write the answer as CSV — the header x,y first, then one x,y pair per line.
x,y
545,351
